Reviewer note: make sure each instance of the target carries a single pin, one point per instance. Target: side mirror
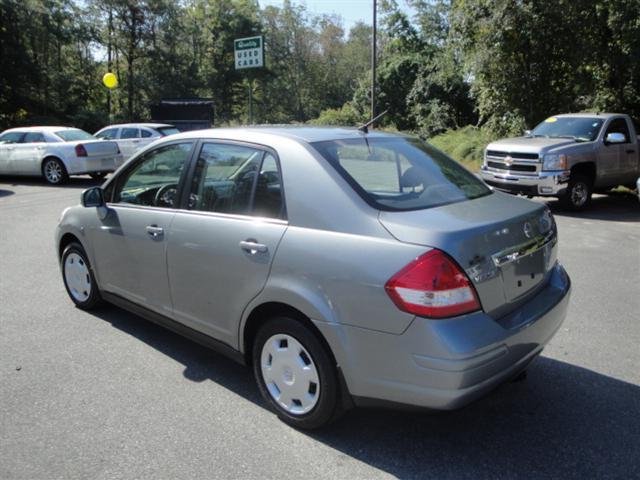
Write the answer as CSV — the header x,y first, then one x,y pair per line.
x,y
527,133
614,138
92,197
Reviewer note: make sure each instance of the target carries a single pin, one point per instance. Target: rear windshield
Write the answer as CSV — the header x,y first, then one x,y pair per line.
x,y
73,135
401,173
164,131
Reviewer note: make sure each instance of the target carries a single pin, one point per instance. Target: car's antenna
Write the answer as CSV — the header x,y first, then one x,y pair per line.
x,y
365,128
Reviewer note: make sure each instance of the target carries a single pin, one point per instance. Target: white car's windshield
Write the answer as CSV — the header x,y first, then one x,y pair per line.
x,y
74,134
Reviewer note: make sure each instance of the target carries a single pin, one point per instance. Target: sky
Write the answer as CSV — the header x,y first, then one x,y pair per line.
x,y
351,11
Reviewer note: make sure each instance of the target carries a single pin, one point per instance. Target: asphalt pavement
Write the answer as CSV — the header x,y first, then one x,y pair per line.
x,y
109,395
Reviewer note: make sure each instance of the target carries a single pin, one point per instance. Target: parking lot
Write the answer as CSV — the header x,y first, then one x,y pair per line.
x,y
109,395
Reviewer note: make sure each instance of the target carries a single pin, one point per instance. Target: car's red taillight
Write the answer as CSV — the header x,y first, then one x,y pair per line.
x,y
433,285
81,151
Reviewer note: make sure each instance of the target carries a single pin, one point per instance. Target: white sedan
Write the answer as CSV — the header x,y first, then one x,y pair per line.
x,y
55,153
132,137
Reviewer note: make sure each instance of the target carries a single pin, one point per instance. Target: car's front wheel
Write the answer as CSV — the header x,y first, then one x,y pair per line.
x,y
578,194
78,277
54,171
295,373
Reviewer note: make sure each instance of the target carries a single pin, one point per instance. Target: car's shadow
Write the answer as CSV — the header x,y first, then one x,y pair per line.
x,y
79,182
6,193
564,421
616,207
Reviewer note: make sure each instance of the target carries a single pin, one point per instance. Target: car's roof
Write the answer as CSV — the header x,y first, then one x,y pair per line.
x,y
301,133
589,115
39,129
148,125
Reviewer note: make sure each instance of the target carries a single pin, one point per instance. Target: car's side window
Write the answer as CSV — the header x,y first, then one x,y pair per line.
x,y
33,137
129,133
268,201
108,134
618,125
224,178
153,180
11,137
145,133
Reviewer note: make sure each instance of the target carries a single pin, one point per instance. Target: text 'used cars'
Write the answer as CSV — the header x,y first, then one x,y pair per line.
x,y
345,267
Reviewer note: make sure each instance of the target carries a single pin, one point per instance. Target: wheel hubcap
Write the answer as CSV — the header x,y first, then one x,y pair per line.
x,y
53,171
579,194
289,374
76,274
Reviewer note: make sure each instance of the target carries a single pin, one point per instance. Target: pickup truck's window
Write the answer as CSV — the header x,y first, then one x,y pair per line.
x,y
618,125
224,178
11,137
401,173
33,137
129,133
108,134
74,134
154,179
581,129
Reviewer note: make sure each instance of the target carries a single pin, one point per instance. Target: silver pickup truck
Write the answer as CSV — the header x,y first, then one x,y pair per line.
x,y
567,156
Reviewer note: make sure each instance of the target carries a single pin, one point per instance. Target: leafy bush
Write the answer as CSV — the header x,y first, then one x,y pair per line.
x,y
465,145
345,116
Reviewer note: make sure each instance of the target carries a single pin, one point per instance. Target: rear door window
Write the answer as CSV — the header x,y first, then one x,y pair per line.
x,y
398,173
33,137
129,133
145,133
225,178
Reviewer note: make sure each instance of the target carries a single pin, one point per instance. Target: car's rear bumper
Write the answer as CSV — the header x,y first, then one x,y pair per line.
x,y
445,364
79,166
544,183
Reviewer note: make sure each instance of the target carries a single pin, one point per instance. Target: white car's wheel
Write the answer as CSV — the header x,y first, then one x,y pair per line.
x,y
295,373
54,171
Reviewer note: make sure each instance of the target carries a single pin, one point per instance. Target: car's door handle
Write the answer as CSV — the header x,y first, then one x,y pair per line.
x,y
155,231
252,246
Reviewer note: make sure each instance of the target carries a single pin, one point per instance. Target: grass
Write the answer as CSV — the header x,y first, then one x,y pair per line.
x,y
465,145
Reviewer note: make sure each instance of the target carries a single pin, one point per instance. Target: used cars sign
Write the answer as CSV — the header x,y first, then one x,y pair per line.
x,y
249,52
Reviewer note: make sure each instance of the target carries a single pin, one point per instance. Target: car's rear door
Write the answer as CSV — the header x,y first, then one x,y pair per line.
x,y
130,244
223,242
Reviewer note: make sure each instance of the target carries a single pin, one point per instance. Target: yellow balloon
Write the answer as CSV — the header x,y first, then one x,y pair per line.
x,y
110,80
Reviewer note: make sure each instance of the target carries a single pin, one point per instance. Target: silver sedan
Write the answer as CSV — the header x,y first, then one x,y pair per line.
x,y
347,268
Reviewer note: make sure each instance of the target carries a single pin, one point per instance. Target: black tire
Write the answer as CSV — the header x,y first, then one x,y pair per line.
x,y
327,407
86,299
98,175
577,197
54,171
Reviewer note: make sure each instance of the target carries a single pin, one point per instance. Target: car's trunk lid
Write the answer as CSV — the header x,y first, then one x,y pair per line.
x,y
98,148
506,244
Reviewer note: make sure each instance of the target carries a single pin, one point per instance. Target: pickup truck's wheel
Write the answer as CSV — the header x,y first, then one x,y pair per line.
x,y
54,171
295,373
578,194
78,277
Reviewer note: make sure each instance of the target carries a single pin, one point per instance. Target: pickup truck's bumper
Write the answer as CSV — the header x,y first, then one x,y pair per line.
x,y
544,183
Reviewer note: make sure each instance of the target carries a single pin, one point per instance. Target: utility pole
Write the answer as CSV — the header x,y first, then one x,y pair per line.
x,y
373,65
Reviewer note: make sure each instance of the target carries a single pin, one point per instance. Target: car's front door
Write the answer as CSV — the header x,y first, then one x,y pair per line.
x,y
131,241
28,153
222,245
8,143
611,154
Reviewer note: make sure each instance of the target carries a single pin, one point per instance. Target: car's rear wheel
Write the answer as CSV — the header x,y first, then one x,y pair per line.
x,y
295,373
78,277
578,194
54,171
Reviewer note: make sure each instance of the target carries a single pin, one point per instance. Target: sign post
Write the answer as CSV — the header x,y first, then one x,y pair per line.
x,y
249,53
